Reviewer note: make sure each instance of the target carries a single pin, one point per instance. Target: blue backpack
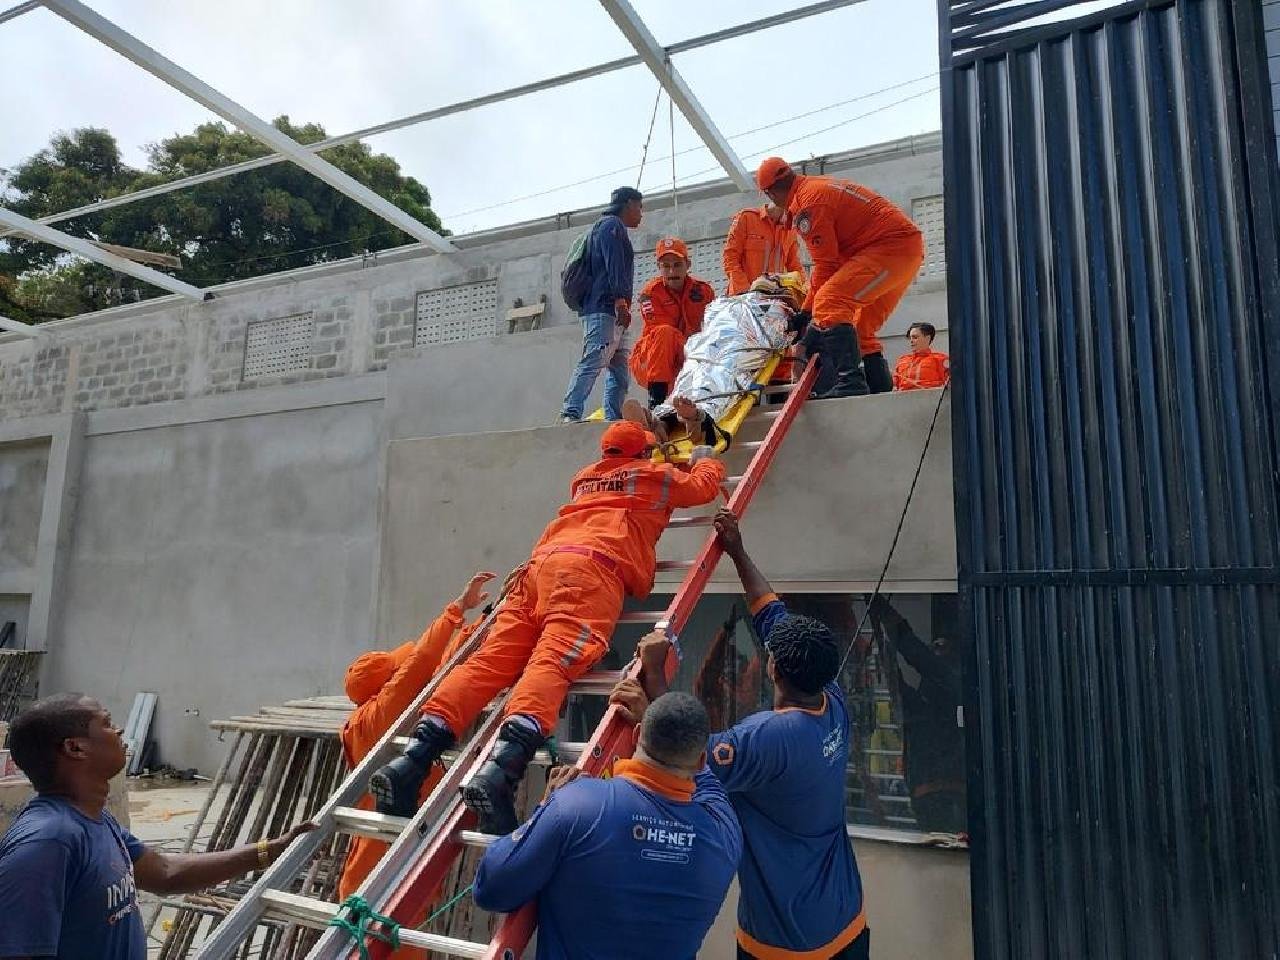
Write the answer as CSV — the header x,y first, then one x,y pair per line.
x,y
575,278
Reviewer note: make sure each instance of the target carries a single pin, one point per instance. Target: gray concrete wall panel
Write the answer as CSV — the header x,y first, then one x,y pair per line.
x,y
224,564
825,515
23,467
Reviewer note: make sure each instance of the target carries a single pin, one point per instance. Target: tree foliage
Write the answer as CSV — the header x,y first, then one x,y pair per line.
x,y
274,218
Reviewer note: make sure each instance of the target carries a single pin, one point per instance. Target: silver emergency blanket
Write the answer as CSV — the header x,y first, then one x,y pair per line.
x,y
722,360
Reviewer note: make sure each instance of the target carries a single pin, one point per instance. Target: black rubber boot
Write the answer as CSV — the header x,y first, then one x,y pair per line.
x,y
879,380
840,349
395,787
491,793
657,393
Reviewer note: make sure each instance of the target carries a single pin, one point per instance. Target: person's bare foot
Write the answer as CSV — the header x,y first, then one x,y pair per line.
x,y
690,417
637,412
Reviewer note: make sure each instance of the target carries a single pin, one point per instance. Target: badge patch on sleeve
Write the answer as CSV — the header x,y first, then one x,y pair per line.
x,y
803,223
723,754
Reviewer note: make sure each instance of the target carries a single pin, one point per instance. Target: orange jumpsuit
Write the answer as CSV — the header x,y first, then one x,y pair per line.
x,y
556,620
919,371
380,701
669,320
865,254
757,245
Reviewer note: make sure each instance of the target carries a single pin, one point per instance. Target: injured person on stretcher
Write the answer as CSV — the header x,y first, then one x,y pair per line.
x,y
723,361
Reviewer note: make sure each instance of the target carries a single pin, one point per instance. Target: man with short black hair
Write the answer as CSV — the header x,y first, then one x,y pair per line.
x,y
923,368
68,871
606,309
784,770
633,866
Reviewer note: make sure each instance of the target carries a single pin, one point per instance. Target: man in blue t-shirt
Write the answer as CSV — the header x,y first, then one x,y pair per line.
x,y
69,872
784,770
635,866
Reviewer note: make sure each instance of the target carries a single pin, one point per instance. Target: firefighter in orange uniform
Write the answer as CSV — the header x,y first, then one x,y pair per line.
x,y
865,254
759,243
555,622
672,305
382,684
923,367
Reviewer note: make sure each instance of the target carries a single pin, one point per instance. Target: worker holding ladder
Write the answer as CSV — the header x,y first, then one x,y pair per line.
x,y
784,771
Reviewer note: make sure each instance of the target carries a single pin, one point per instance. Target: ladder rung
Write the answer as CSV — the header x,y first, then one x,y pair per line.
x,y
642,616
767,414
368,823
597,683
474,838
674,564
733,480
569,751
681,522
317,913
747,445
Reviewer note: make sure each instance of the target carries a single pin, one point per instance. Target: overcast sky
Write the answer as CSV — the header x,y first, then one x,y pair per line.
x,y
346,65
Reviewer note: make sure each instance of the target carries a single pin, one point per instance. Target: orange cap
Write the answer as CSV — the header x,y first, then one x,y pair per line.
x,y
627,439
772,169
671,245
370,672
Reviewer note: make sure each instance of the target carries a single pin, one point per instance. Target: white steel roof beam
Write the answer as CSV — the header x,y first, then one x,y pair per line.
x,y
19,10
91,251
17,326
659,63
550,83
130,47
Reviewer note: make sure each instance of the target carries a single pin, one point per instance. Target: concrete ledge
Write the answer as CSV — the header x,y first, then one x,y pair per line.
x,y
250,403
20,582
31,428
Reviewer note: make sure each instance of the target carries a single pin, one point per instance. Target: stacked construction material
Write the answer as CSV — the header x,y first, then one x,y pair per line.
x,y
282,765
19,670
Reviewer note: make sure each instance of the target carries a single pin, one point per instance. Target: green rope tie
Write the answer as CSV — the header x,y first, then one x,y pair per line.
x,y
552,747
357,925
448,905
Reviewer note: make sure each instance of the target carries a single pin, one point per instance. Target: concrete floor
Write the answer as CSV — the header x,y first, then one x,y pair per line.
x,y
162,814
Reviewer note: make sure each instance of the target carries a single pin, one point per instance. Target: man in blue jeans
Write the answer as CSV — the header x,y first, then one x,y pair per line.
x,y
606,310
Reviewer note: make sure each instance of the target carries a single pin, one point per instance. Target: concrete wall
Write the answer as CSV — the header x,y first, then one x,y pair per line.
x,y
22,472
824,517
916,899
221,564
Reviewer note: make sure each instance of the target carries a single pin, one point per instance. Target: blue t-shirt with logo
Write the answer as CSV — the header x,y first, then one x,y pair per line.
x,y
66,886
620,870
784,771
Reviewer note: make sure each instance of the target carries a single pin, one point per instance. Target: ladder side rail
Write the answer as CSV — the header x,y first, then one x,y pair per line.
x,y
402,883
244,917
614,737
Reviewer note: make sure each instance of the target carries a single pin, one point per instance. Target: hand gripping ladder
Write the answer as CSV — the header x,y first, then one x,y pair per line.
x,y
425,846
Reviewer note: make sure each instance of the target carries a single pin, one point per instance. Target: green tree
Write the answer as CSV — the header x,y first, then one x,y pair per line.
x,y
263,221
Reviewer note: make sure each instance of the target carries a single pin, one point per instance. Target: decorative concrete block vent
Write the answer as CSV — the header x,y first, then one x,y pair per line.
x,y
279,346
927,214
454,314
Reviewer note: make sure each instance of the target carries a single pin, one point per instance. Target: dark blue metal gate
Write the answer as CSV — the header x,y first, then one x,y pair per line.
x,y
1115,312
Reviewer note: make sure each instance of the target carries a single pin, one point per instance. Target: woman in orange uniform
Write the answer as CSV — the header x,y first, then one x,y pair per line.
x,y
672,305
923,367
382,684
865,254
555,622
